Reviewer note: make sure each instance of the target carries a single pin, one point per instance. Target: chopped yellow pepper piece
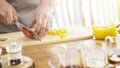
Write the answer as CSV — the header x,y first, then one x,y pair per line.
x,y
101,31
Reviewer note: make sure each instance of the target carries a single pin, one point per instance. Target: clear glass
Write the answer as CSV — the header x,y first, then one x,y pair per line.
x,y
95,58
14,54
114,57
94,53
69,57
118,40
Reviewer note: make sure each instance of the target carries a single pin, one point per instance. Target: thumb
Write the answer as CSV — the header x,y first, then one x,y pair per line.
x,y
32,24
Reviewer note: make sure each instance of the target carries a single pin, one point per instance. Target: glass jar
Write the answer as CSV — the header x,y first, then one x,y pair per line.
x,y
113,52
114,57
14,54
69,57
118,40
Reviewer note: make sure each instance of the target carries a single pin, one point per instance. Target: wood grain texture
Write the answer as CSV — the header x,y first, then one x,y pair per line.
x,y
42,54
27,62
74,33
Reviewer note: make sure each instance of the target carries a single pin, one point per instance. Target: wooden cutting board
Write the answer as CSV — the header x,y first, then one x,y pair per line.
x,y
27,62
74,33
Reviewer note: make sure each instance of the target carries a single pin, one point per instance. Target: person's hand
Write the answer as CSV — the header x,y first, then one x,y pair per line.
x,y
7,13
42,21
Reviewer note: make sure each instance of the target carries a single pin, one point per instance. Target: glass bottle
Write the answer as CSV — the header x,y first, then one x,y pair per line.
x,y
113,54
14,54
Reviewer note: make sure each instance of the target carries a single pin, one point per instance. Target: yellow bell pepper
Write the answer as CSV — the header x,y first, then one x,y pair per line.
x,y
101,31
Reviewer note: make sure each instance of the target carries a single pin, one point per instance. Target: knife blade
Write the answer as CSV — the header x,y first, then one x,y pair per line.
x,y
35,35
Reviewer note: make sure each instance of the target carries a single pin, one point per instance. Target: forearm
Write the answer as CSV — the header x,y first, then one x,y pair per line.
x,y
47,3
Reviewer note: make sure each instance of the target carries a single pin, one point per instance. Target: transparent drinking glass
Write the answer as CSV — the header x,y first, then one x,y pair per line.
x,y
94,53
114,57
113,52
69,57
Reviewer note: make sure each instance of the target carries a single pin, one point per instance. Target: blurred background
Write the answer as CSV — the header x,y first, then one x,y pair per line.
x,y
85,12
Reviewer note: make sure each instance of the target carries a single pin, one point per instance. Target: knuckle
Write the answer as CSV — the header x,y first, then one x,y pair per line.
x,y
37,30
47,29
42,31
9,23
43,27
2,13
39,23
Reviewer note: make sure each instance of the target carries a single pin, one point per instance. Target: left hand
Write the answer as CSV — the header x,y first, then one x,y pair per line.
x,y
41,21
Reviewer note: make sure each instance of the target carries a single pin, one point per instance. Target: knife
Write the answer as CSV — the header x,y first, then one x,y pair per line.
x,y
35,35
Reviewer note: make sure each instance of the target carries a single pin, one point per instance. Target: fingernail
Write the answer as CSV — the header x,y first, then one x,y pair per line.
x,y
14,20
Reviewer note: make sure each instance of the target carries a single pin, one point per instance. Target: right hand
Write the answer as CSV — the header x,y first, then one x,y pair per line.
x,y
7,13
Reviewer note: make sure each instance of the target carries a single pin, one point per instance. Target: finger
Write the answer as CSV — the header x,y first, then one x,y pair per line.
x,y
43,28
49,23
38,25
3,17
32,24
15,16
47,28
9,17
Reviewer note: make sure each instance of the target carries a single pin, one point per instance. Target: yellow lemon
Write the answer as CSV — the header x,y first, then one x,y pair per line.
x,y
52,32
49,32
64,30
59,32
62,35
